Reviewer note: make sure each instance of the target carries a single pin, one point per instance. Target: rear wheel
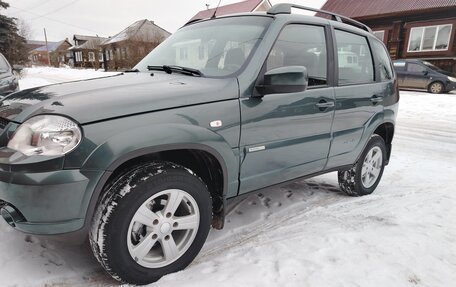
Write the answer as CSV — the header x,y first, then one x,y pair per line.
x,y
436,88
364,176
151,222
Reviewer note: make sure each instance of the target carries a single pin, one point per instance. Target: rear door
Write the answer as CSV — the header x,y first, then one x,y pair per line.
x,y
358,96
417,76
287,135
399,67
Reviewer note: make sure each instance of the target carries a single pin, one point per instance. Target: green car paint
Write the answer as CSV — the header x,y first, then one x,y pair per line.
x,y
258,140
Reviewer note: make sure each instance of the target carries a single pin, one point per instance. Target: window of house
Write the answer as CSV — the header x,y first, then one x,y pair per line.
x,y
184,53
301,45
118,53
111,54
429,38
79,56
201,52
100,56
91,57
354,59
380,35
386,71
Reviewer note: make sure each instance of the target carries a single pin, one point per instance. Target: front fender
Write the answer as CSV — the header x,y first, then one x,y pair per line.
x,y
164,137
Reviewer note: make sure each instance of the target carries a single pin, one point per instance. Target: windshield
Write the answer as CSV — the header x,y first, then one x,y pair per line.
x,y
216,47
4,67
435,68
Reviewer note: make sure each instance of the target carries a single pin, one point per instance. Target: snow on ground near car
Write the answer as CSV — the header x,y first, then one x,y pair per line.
x,y
307,233
41,76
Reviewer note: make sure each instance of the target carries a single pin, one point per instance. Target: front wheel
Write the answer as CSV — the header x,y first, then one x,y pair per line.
x,y
364,176
435,88
151,222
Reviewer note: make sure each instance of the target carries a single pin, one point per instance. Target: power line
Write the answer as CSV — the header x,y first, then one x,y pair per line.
x,y
56,10
55,20
36,6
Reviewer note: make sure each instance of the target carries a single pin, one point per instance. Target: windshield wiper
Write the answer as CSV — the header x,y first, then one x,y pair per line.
x,y
169,69
132,71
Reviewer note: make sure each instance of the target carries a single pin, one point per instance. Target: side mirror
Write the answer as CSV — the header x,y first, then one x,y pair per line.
x,y
18,68
425,72
290,79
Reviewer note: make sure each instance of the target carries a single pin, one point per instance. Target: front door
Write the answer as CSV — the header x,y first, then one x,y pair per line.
x,y
284,136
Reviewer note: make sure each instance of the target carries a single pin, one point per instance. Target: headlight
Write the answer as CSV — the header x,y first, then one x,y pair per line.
x,y
46,135
453,79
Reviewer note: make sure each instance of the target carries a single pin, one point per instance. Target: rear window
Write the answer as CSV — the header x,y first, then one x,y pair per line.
x,y
399,65
386,72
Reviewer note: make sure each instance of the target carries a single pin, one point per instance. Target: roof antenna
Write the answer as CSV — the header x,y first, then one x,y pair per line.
x,y
215,12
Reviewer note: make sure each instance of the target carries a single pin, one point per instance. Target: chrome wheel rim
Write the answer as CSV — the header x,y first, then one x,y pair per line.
x,y
372,166
163,228
436,88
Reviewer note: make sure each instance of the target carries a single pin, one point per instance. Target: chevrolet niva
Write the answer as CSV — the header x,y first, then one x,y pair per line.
x,y
143,162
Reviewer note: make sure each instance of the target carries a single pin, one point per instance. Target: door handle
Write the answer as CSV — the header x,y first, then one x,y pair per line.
x,y
323,104
376,99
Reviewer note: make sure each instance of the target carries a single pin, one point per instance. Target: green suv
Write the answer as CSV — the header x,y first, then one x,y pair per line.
x,y
143,162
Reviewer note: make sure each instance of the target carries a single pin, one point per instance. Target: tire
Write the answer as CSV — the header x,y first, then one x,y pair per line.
x,y
364,176
436,88
152,221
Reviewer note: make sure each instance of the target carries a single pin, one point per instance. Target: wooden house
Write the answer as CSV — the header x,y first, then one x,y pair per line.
x,y
87,52
411,29
58,53
127,48
240,7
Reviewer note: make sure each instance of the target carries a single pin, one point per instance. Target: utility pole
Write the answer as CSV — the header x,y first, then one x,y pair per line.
x,y
47,47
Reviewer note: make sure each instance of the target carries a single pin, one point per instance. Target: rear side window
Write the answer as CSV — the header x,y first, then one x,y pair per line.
x,y
301,45
354,59
399,65
386,72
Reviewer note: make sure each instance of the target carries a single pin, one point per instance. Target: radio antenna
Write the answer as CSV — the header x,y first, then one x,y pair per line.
x,y
215,12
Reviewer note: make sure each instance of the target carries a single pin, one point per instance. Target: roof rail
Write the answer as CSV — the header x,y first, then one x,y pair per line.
x,y
286,9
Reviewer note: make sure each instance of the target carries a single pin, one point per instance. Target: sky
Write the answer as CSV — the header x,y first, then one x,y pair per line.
x,y
64,18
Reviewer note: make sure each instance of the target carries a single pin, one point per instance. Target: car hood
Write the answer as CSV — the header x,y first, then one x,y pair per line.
x,y
116,96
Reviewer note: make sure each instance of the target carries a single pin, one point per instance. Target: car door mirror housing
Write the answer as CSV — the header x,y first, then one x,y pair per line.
x,y
425,72
289,79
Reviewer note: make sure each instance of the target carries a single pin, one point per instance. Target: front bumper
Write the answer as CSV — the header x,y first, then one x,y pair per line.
x,y
450,86
46,203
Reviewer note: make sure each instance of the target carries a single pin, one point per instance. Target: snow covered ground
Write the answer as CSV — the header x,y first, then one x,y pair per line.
x,y
41,76
307,233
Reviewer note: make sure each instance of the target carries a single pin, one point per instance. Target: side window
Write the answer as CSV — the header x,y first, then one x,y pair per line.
x,y
301,45
3,65
386,72
415,68
354,59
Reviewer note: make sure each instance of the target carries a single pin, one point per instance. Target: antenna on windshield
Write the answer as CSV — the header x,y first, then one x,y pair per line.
x,y
215,12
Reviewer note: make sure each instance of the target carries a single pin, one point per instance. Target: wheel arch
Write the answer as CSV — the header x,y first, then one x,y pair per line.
x,y
201,159
386,131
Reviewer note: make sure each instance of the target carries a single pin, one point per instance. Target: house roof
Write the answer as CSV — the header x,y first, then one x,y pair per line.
x,y
52,46
84,37
240,7
371,8
144,30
